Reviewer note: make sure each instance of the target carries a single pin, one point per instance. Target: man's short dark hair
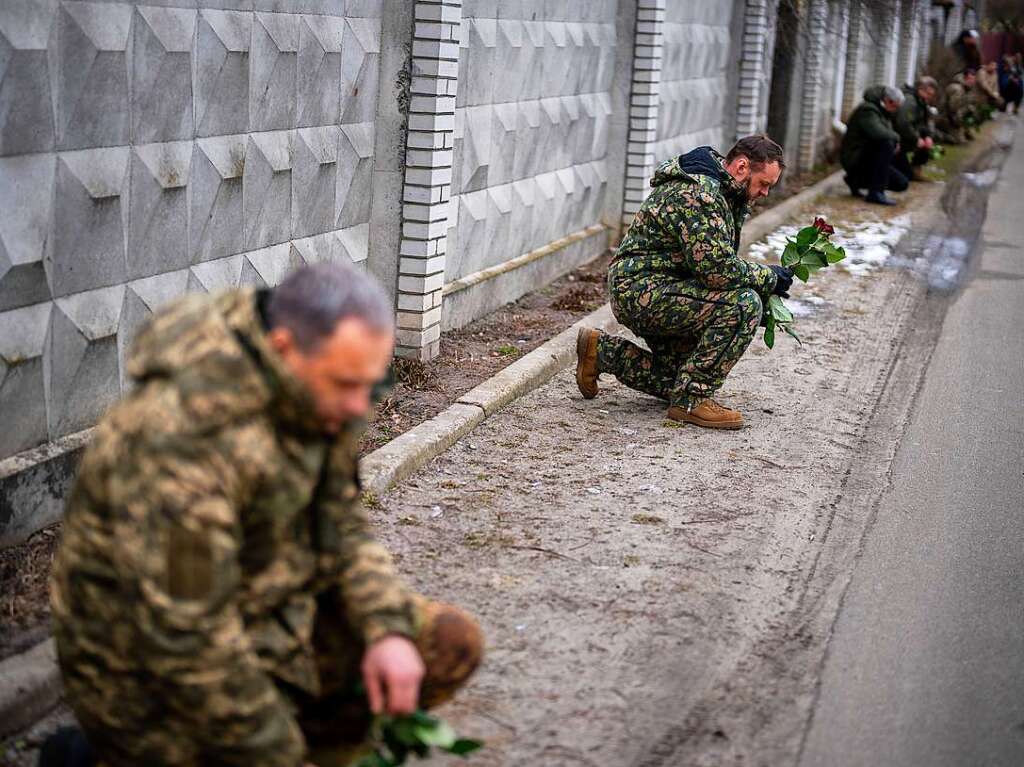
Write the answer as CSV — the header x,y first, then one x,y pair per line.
x,y
313,299
759,149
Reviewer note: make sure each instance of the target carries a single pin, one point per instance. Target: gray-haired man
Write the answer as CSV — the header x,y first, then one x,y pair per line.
x,y
218,594
870,146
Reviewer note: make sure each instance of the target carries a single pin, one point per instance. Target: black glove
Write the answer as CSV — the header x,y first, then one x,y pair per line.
x,y
783,280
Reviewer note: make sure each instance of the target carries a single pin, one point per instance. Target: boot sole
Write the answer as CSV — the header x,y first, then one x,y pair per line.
x,y
582,342
712,424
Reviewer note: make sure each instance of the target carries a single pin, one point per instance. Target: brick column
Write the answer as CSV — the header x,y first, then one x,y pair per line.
x,y
906,64
955,22
886,21
643,104
752,61
851,84
809,107
924,34
428,176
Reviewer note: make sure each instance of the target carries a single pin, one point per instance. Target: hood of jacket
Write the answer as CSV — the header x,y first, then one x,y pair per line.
x,y
702,161
214,351
874,95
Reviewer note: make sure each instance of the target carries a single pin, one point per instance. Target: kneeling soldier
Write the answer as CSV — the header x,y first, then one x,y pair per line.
x,y
218,596
678,283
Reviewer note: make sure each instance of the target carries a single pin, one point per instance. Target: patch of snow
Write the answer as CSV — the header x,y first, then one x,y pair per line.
x,y
868,244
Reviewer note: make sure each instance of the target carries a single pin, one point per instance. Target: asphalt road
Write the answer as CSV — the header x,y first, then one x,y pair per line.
x,y
926,664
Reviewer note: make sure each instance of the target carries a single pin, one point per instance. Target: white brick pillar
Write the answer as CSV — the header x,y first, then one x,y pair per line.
x,y
884,25
851,83
643,103
752,67
906,61
842,20
809,106
427,190
924,34
955,22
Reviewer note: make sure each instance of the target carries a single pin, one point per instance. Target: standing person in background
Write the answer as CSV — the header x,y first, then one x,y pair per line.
x,y
1011,86
966,50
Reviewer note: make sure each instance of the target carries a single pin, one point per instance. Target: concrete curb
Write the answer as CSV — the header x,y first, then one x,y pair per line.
x,y
29,687
390,464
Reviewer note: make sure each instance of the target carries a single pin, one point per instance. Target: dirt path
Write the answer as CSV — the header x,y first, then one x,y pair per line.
x,y
658,595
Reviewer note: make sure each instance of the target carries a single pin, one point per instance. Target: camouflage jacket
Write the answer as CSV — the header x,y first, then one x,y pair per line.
x,y
688,228
208,517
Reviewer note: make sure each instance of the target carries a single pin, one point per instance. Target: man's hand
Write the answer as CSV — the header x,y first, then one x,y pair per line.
x,y
392,667
783,280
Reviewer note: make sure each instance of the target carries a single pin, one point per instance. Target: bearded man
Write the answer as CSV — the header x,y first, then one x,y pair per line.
x,y
678,282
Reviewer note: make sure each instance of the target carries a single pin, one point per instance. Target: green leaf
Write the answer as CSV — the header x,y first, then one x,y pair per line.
x,y
801,272
440,734
814,258
792,332
807,237
464,746
404,729
374,759
778,309
833,254
790,255
769,335
422,717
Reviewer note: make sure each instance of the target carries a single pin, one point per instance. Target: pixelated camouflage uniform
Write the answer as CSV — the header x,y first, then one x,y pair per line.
x,y
217,581
677,282
958,110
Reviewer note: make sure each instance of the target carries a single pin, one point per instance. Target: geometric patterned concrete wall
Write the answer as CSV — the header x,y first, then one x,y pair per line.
x,y
531,127
697,54
151,150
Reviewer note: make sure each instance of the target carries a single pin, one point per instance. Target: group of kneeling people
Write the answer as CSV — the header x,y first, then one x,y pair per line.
x,y
893,133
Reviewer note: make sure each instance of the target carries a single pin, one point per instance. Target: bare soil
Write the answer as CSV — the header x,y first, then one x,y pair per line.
x,y
471,355
24,597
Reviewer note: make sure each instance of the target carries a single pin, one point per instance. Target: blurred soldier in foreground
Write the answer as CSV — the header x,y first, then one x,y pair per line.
x,y
870,146
678,282
218,596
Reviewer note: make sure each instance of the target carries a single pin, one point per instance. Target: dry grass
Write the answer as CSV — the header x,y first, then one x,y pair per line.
x,y
24,590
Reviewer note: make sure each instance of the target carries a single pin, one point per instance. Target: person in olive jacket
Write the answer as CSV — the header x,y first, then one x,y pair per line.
x,y
870,146
913,123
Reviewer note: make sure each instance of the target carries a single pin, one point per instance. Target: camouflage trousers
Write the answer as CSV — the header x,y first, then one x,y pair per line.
x,y
695,334
335,722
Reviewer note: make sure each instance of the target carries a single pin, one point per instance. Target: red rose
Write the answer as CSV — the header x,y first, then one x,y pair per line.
x,y
823,226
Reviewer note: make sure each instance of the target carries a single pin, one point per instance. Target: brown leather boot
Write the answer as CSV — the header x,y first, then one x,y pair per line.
x,y
708,414
586,362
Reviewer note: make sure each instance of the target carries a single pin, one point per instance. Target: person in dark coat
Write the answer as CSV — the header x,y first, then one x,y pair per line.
x,y
913,123
967,51
870,146
1011,86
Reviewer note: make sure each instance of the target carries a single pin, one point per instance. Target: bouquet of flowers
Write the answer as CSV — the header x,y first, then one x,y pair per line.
x,y
396,737
810,251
